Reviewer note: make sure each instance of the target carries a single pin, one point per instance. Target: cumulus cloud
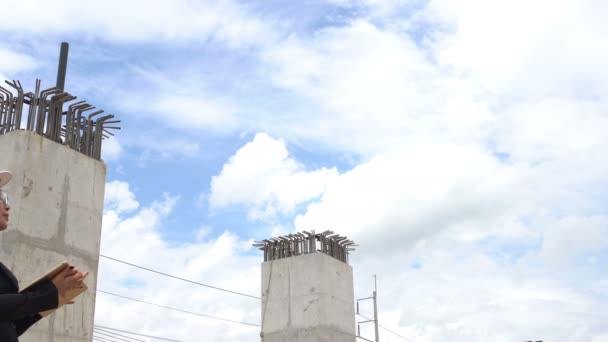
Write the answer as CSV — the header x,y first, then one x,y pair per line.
x,y
119,198
263,177
465,75
112,150
483,162
220,261
366,89
402,198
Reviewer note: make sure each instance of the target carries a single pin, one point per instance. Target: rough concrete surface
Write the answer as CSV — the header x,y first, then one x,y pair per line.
x,y
56,199
307,298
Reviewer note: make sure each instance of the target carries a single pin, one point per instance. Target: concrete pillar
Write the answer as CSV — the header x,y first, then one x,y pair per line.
x,y
307,298
56,197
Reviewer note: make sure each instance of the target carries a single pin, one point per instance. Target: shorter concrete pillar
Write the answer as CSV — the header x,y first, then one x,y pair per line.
x,y
307,298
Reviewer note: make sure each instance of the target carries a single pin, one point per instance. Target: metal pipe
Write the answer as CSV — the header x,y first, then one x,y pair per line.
x,y
63,65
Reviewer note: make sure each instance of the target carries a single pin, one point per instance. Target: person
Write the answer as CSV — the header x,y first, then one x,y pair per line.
x,y
20,310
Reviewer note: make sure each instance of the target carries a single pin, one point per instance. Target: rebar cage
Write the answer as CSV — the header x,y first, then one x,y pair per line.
x,y
306,242
47,115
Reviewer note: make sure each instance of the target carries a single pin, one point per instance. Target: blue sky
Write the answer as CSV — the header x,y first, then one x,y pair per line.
x,y
461,144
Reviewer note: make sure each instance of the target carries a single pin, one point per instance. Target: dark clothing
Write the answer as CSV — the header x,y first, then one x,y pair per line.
x,y
19,311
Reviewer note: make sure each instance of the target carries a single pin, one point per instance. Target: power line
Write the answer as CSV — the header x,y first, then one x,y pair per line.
x,y
180,310
108,335
389,330
134,333
101,339
103,332
179,278
106,339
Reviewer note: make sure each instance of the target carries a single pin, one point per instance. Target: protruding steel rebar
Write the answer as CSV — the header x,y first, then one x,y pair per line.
x,y
45,116
30,126
306,242
7,109
43,105
18,103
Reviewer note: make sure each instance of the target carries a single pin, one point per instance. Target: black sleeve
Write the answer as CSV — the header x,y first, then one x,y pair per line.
x,y
15,306
25,323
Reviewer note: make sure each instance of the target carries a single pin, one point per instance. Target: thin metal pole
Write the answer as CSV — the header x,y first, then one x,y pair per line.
x,y
63,65
376,309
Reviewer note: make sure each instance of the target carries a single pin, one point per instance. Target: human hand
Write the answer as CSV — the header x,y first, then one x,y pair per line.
x,y
68,279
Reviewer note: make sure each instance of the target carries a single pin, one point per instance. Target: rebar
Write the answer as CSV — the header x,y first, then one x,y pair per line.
x,y
6,110
45,115
306,242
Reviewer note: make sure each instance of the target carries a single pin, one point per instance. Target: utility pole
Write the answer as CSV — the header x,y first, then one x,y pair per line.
x,y
375,320
376,309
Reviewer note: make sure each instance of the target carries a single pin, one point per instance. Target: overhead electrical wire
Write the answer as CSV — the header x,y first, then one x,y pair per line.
x,y
134,333
96,337
104,335
108,332
180,310
180,278
387,329
208,286
101,339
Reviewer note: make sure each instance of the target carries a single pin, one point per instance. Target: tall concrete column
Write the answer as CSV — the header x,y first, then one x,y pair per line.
x,y
307,298
56,197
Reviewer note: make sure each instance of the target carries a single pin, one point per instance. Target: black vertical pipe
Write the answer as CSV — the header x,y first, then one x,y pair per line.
x,y
63,65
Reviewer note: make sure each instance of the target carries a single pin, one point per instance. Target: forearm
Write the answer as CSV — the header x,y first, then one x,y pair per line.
x,y
15,306
25,323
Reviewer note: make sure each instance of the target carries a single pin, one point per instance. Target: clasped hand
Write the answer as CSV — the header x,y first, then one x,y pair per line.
x,y
68,279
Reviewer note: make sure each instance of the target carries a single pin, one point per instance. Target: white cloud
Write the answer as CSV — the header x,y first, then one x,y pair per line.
x,y
118,197
218,261
158,146
380,8
181,101
194,112
396,200
573,236
169,149
226,22
262,176
460,294
472,78
603,338
111,150
498,237
13,62
552,128
370,88
551,50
